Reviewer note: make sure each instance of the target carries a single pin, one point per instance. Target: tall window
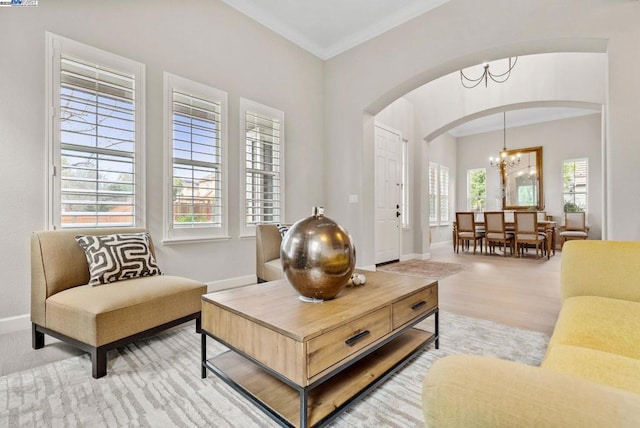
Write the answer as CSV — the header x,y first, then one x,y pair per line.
x,y
438,194
433,194
96,139
574,189
405,183
443,189
263,166
476,189
196,153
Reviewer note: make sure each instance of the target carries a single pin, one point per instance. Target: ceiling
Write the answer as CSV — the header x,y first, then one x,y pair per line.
x,y
328,27
517,118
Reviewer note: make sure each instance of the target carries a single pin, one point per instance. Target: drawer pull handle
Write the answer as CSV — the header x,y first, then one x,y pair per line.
x,y
418,305
353,339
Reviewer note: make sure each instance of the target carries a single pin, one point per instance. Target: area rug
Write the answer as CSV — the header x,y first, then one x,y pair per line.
x,y
424,268
156,383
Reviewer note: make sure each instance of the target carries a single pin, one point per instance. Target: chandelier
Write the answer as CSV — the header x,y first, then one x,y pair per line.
x,y
502,161
470,83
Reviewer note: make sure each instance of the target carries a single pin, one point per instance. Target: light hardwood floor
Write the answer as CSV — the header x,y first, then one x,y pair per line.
x,y
523,293
520,292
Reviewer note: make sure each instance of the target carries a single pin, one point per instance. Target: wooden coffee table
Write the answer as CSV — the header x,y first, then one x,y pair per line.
x,y
304,363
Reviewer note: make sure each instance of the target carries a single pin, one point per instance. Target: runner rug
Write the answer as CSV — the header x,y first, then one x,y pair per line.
x,y
424,268
156,383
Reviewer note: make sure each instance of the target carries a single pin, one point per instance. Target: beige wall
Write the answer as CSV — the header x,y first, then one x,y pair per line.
x,y
460,33
202,40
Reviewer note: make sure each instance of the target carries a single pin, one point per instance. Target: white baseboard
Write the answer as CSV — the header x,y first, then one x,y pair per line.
x,y
371,268
406,257
23,322
443,243
17,323
226,284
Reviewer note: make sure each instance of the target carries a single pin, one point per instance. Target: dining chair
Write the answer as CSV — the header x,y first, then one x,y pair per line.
x,y
496,232
527,233
509,219
575,227
466,231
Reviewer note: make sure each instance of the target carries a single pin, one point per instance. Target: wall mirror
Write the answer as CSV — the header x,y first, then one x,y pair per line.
x,y
522,183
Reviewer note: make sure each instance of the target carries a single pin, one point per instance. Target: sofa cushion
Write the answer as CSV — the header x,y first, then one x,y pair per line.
x,y
601,367
601,323
118,256
101,315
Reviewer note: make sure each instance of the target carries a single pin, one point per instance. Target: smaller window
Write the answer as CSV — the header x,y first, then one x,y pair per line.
x,y
575,184
444,195
262,129
196,206
405,183
433,194
476,189
438,194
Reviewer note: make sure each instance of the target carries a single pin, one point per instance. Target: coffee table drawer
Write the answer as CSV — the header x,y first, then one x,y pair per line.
x,y
333,346
415,305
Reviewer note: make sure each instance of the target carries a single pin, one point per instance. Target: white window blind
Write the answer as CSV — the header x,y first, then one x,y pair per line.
x,y
433,193
443,191
95,141
197,181
95,131
263,164
195,151
405,183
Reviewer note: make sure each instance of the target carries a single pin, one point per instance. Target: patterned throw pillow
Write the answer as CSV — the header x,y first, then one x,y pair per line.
x,y
283,229
117,257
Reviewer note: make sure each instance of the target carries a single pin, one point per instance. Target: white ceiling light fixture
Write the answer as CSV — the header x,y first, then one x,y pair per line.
x,y
502,77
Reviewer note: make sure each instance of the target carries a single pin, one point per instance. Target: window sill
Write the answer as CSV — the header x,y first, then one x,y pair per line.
x,y
172,241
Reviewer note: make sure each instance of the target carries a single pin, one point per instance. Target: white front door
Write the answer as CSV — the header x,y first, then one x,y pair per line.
x,y
388,188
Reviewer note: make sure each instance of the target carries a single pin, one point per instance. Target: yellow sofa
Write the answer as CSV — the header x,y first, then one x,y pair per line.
x,y
590,376
99,318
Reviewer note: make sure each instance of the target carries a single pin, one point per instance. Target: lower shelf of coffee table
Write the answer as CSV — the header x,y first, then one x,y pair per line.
x,y
331,395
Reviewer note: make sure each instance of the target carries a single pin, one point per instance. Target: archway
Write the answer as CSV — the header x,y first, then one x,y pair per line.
x,y
565,98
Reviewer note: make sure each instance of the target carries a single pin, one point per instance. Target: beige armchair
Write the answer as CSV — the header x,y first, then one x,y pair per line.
x,y
98,318
268,265
575,227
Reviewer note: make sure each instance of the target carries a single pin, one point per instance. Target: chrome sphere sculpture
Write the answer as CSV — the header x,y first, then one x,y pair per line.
x,y
317,257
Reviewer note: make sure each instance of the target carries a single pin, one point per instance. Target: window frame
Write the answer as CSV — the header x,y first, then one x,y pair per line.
x,y
470,172
405,203
437,191
433,195
586,184
55,48
249,230
444,215
174,83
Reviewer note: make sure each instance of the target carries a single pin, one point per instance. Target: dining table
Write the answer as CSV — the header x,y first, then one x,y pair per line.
x,y
548,226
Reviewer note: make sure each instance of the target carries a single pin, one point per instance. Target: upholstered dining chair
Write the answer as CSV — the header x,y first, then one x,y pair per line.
x,y
575,227
526,231
466,231
496,232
